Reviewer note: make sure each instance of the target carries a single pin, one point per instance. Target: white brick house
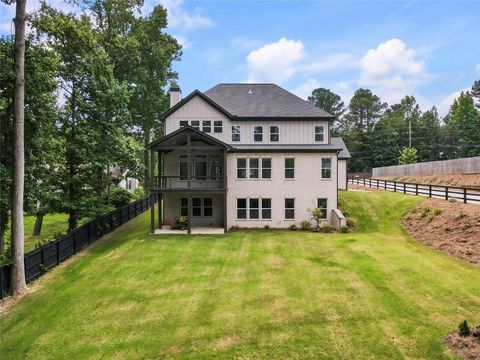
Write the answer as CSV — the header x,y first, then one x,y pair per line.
x,y
245,155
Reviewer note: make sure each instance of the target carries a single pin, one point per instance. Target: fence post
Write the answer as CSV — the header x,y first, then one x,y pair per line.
x,y
57,246
464,195
429,190
377,183
446,192
385,184
416,189
370,182
404,188
394,186
42,255
363,181
88,233
74,242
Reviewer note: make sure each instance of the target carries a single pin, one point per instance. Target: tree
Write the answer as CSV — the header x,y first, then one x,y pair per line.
x,y
407,156
428,136
330,102
476,92
18,269
364,110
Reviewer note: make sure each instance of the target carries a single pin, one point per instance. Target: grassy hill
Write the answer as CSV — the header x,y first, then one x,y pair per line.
x,y
373,293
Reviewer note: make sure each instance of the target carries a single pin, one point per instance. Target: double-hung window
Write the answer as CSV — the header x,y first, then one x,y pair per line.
x,y
322,206
289,208
274,133
183,123
197,206
218,126
254,208
289,168
241,168
201,206
266,168
253,167
236,133
201,167
196,124
206,126
319,133
258,133
184,206
326,168
183,167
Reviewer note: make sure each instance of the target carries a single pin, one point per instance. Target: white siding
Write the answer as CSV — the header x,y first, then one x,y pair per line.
x,y
305,188
291,132
342,174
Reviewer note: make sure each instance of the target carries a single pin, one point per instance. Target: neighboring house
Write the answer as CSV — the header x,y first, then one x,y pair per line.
x,y
246,155
125,182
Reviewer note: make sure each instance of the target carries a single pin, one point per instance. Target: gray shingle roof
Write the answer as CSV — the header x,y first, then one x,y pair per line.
x,y
286,148
262,101
344,153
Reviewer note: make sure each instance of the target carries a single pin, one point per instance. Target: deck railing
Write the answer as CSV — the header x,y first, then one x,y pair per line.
x,y
177,182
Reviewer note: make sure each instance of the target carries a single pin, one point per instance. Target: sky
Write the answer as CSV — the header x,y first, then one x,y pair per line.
x,y
429,49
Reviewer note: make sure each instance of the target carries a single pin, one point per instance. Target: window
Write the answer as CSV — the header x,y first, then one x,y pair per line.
x,y
207,206
184,206
241,168
267,209
236,133
200,167
183,123
197,206
253,166
266,168
196,124
327,168
319,133
253,208
290,209
218,126
322,205
274,133
258,133
241,208
289,168
207,126
216,167
183,167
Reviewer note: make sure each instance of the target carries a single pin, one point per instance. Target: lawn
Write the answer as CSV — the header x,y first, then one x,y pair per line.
x,y
374,293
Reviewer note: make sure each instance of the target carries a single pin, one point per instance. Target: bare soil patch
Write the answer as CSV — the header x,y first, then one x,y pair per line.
x,y
450,227
461,180
466,347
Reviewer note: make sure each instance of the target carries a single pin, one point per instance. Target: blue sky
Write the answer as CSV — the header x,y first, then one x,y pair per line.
x,y
425,48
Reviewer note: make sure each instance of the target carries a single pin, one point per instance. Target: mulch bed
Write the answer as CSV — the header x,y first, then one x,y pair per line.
x,y
466,347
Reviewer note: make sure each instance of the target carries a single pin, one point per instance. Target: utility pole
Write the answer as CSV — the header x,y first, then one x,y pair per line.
x,y
409,132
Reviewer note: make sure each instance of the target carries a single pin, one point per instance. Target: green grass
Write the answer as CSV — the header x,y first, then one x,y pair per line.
x,y
373,293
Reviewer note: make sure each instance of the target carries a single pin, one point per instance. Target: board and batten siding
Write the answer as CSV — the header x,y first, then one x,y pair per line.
x,y
291,132
306,187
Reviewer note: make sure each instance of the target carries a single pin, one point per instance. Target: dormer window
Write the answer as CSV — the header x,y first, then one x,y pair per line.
x,y
320,133
274,133
258,133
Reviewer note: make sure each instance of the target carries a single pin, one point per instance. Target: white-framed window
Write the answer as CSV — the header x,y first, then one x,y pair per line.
x,y
183,123
266,209
242,208
320,133
254,208
322,205
258,133
183,167
184,206
218,126
266,168
201,207
195,124
289,168
206,126
274,133
203,167
236,133
253,168
289,209
241,168
200,167
326,168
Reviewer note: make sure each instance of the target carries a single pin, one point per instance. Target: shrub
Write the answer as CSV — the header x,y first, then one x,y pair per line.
x,y
306,225
292,227
181,223
120,197
327,228
464,329
426,211
437,211
344,229
462,214
351,223
139,193
267,227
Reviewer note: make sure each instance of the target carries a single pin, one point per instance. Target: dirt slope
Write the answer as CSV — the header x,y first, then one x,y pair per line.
x,y
462,180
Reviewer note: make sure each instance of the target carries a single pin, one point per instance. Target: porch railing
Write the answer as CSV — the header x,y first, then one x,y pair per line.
x,y
178,182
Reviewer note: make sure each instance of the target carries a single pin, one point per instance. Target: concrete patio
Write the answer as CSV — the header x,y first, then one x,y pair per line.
x,y
166,230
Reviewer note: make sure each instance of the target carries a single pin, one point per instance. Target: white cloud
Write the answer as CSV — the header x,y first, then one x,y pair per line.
x,y
305,89
274,62
392,70
182,40
178,17
443,106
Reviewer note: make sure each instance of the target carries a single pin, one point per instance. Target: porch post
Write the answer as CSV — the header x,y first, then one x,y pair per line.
x,y
152,195
160,212
189,214
225,186
189,163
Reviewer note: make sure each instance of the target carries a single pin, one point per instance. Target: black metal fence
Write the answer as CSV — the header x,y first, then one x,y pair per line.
x,y
38,261
463,194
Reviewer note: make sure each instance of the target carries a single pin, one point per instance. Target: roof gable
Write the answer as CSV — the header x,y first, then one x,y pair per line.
x,y
190,97
178,137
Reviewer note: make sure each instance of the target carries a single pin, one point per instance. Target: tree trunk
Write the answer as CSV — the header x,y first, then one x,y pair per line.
x,y
18,268
146,161
37,229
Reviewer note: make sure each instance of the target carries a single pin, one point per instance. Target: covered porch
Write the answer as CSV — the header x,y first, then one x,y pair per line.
x,y
188,181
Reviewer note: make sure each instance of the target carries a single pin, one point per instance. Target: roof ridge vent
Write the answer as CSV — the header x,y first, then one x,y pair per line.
x,y
250,90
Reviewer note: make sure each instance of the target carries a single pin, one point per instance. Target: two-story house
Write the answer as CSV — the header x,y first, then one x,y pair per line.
x,y
245,155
